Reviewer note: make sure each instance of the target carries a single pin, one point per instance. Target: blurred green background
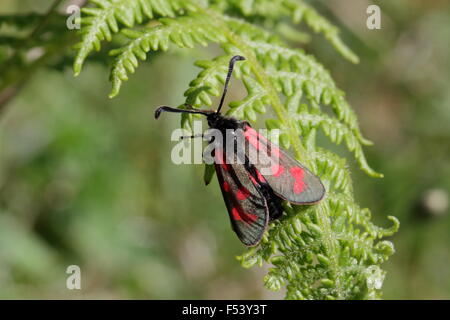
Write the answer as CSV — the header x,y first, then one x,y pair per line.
x,y
88,181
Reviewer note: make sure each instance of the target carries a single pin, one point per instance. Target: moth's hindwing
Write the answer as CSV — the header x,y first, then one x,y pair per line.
x,y
247,207
286,176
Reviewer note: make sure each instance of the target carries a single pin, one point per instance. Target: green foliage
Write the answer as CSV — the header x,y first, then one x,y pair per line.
x,y
331,250
183,32
21,22
20,34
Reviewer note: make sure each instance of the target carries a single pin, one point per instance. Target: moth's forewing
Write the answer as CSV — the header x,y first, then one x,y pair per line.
x,y
246,205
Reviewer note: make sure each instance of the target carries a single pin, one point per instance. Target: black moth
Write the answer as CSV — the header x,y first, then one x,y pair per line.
x,y
253,196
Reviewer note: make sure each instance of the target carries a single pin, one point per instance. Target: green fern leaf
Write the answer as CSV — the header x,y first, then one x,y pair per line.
x,y
298,11
302,11
183,32
104,20
330,250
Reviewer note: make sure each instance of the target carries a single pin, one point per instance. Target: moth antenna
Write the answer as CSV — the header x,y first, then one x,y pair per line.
x,y
176,110
230,71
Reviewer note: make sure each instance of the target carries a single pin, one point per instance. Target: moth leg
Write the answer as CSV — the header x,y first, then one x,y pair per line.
x,y
201,135
192,136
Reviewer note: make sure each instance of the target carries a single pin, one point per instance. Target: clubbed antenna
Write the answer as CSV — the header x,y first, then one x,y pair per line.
x,y
176,110
230,71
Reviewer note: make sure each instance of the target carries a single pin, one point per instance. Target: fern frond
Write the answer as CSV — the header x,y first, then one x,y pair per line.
x,y
355,214
330,250
301,11
302,261
254,103
334,169
336,131
296,69
184,32
298,11
208,81
103,20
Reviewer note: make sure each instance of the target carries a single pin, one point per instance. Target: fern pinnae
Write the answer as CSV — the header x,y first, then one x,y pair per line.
x,y
299,12
99,26
104,20
296,71
334,169
252,104
302,11
208,81
184,32
336,131
318,83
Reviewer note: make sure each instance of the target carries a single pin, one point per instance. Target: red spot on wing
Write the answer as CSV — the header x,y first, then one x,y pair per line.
x,y
277,170
239,215
298,174
253,180
249,131
260,176
226,186
255,140
242,194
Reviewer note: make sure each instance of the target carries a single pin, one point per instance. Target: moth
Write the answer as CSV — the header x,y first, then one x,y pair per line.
x,y
253,193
